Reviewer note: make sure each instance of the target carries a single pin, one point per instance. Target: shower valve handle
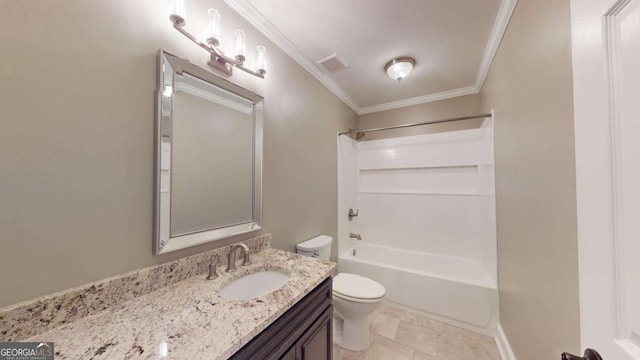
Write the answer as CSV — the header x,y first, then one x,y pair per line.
x,y
353,214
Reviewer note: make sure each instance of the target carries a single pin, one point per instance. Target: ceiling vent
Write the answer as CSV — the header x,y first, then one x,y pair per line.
x,y
332,64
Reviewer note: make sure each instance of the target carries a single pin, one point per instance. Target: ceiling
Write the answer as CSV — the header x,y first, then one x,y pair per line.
x,y
453,42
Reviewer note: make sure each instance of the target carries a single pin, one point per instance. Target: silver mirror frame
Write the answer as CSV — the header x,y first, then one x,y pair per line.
x,y
164,242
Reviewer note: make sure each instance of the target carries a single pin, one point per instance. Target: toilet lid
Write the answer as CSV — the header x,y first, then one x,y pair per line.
x,y
357,287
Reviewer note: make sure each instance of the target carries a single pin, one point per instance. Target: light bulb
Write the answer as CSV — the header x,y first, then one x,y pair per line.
x,y
240,45
214,25
179,12
168,91
262,59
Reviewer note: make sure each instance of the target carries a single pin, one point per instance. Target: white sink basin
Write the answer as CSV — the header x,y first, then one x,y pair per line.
x,y
254,285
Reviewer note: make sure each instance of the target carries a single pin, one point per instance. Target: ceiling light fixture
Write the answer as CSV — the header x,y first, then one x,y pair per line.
x,y
218,59
399,68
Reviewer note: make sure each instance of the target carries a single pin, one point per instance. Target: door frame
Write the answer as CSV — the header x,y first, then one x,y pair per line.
x,y
599,181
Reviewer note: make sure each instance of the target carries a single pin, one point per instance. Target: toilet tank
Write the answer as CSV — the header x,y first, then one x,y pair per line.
x,y
319,246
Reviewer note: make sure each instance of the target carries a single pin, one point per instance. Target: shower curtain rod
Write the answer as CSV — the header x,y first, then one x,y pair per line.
x,y
416,124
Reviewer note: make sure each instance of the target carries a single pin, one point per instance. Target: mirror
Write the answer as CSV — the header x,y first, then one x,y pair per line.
x,y
208,157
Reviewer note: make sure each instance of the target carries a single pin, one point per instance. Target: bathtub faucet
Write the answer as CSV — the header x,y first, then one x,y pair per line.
x,y
355,236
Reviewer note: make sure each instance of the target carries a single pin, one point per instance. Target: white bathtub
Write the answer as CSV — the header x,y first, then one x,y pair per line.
x,y
449,288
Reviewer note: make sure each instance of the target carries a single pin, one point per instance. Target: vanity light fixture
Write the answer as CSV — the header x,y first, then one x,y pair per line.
x,y
218,59
399,68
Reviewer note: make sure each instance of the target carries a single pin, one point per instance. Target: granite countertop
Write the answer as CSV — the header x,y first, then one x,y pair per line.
x,y
188,320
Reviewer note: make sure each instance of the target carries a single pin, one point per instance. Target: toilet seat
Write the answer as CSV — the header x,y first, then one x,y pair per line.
x,y
356,288
356,300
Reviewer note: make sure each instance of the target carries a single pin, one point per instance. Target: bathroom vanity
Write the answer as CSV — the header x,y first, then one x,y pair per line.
x,y
302,333
172,311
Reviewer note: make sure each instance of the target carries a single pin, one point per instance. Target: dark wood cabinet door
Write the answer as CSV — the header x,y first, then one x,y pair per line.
x,y
290,354
317,342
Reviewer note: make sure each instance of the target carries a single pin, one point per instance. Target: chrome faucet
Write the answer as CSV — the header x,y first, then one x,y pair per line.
x,y
355,236
231,261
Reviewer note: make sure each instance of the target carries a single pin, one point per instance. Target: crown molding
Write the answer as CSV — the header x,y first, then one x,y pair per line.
x,y
255,18
420,100
497,32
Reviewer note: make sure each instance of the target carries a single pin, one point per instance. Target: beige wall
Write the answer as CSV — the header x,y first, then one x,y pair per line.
x,y
77,99
444,109
530,88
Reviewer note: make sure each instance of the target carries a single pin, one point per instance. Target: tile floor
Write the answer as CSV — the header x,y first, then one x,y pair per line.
x,y
400,335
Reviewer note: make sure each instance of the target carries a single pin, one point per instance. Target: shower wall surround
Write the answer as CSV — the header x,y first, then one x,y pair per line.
x,y
427,219
347,191
431,193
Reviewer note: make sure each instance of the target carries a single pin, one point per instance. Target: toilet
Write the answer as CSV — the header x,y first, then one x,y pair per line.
x,y
355,297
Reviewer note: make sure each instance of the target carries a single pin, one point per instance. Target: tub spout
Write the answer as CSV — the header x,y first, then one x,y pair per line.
x,y
355,236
